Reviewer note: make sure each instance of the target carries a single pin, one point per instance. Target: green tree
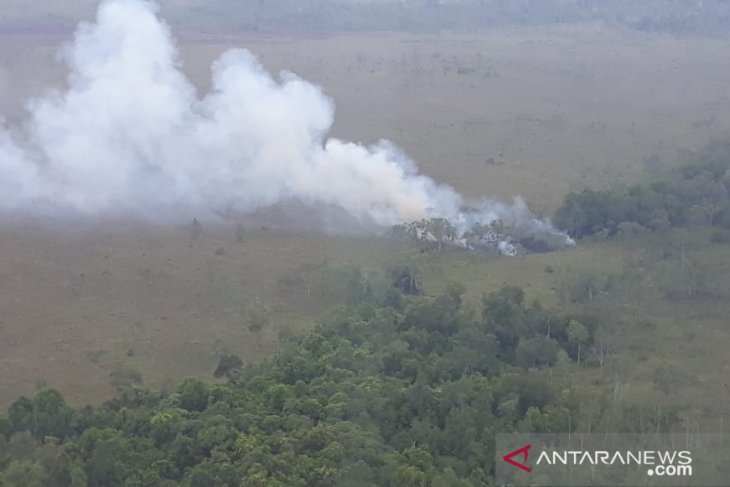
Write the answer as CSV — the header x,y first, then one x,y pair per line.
x,y
536,351
124,378
405,278
20,415
193,394
51,415
106,465
23,473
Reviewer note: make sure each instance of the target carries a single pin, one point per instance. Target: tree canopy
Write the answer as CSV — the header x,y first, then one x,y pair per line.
x,y
373,396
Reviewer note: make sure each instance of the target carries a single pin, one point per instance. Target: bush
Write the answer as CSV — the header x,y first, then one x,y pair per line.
x,y
259,316
193,394
123,378
228,366
586,287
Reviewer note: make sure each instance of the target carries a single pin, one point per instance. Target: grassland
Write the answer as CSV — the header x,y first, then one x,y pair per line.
x,y
530,112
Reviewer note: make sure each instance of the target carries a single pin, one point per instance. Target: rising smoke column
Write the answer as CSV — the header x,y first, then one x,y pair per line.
x,y
130,135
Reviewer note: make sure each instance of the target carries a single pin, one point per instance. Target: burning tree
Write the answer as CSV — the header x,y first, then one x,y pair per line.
x,y
441,230
516,232
427,233
439,233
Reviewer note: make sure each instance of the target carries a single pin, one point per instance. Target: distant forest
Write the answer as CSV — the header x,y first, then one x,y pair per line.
x,y
683,16
666,16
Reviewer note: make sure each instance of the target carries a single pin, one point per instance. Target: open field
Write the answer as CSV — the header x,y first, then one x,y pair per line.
x,y
530,112
79,303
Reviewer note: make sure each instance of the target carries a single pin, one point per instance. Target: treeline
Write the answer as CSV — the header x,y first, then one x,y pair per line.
x,y
408,391
348,15
697,193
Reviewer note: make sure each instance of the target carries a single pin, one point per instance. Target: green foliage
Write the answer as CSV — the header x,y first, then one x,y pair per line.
x,y
536,351
405,278
586,286
20,414
530,335
193,394
45,415
228,366
696,194
23,473
51,415
373,396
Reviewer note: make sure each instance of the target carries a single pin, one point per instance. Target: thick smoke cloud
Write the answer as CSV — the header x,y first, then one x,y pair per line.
x,y
130,136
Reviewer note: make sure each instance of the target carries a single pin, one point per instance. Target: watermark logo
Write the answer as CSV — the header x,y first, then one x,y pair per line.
x,y
660,462
524,452
612,460
670,471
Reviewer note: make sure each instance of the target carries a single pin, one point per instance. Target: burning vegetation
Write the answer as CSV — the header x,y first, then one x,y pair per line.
x,y
498,236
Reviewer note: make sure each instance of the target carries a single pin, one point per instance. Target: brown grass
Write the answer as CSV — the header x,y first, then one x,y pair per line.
x,y
553,109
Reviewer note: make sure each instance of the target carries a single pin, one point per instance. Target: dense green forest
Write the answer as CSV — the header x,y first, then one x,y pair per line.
x,y
695,194
397,390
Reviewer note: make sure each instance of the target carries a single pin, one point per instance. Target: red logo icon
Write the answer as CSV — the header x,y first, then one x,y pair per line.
x,y
522,451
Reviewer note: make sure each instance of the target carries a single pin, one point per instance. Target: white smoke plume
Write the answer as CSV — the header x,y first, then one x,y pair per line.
x,y
131,136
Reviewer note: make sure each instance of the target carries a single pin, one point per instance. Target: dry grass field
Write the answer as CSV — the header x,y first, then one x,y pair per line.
x,y
534,112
